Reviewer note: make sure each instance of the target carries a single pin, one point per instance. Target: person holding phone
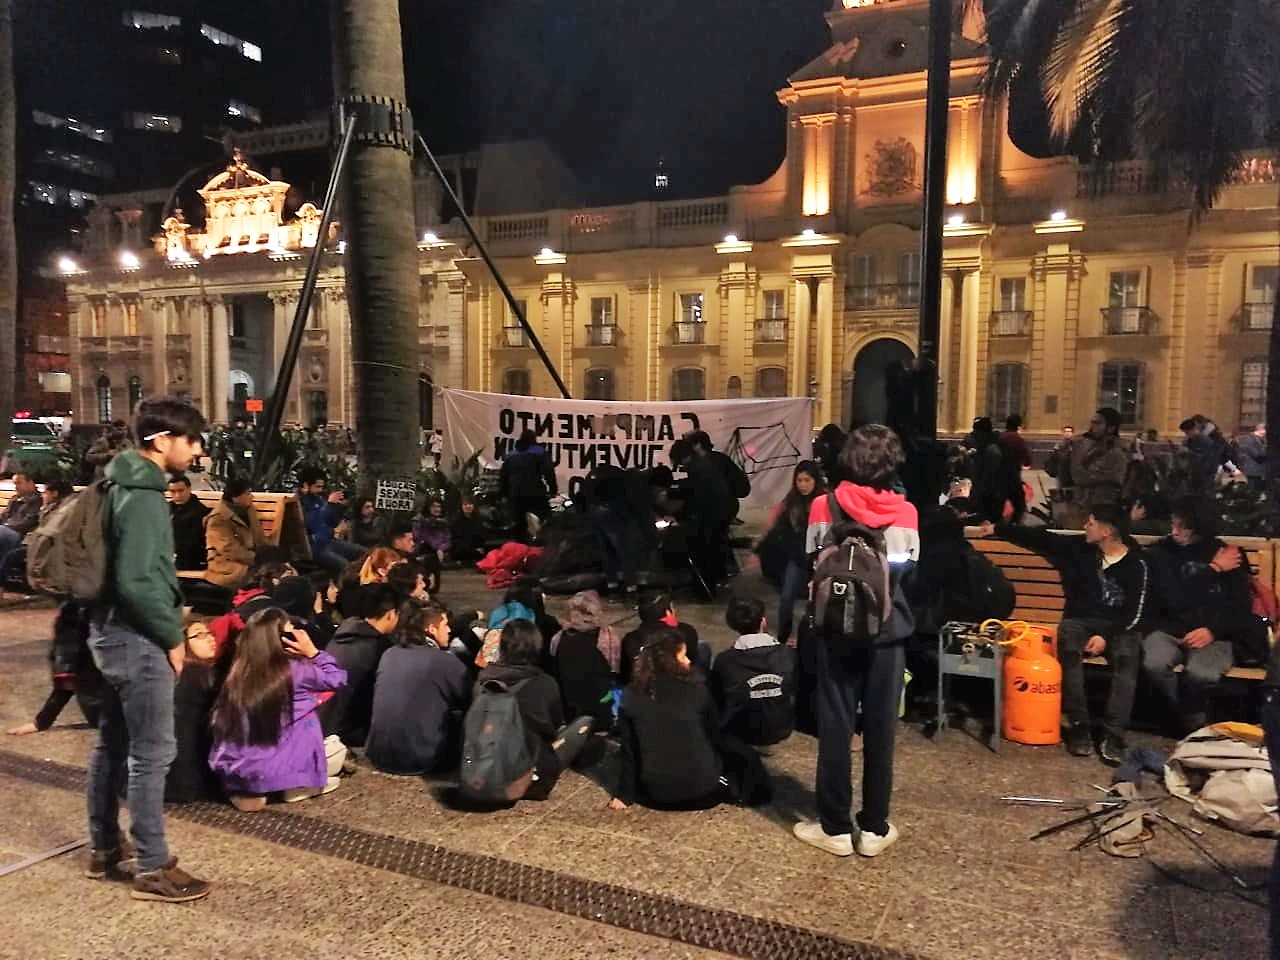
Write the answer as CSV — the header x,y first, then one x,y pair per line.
x,y
323,515
266,735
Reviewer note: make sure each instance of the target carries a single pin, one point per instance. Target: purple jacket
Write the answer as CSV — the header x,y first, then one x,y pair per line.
x,y
297,759
432,533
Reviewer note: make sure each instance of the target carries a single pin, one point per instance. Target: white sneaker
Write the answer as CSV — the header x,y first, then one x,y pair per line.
x,y
306,793
872,844
841,845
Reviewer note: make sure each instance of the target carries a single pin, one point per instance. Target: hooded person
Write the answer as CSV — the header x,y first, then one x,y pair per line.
x,y
586,655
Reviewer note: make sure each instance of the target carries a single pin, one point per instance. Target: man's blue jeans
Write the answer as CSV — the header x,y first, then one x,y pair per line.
x,y
10,539
336,554
136,741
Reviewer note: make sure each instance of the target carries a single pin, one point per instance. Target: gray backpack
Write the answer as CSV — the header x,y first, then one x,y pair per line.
x,y
852,590
497,760
67,554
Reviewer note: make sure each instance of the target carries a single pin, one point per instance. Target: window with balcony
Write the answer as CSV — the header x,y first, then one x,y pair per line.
x,y
690,328
771,382
1125,312
515,382
1008,393
863,277
733,389
772,327
598,384
250,51
909,278
688,384
1260,298
1253,393
603,330
103,388
513,334
1013,319
1121,386
135,393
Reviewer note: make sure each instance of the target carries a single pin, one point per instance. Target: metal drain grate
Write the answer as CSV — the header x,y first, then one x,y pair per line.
x,y
719,930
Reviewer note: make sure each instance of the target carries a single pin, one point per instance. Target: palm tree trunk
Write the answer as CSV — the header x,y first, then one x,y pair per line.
x,y
1273,417
381,251
8,236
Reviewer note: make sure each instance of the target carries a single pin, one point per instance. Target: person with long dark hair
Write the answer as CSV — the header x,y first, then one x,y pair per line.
x,y
783,546
674,754
266,734
368,527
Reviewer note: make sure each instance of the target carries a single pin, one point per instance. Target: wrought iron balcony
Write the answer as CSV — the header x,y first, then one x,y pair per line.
x,y
514,337
1256,316
1123,321
771,331
602,334
884,296
1011,323
689,332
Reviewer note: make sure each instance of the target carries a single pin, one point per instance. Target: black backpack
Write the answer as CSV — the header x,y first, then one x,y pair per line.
x,y
983,592
851,598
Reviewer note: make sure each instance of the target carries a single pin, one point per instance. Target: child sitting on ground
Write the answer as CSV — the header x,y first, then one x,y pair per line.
x,y
266,735
74,673
754,682
674,755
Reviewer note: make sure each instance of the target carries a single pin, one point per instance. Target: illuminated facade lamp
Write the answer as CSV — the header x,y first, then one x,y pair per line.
x,y
129,260
1058,222
955,220
67,266
549,258
342,246
732,244
808,232
1058,216
430,237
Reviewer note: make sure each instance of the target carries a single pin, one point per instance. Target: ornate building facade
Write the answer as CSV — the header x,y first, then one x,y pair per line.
x,y
1067,286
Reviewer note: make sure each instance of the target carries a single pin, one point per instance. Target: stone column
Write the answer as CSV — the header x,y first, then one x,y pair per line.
x,y
948,365
284,303
159,329
799,386
1053,346
196,326
824,372
460,341
737,328
968,347
219,359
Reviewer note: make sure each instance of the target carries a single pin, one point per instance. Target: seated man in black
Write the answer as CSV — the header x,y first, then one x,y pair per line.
x,y
1107,586
187,514
1204,618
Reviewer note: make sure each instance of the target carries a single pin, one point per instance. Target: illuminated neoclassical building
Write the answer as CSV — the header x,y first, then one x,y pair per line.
x,y
1067,287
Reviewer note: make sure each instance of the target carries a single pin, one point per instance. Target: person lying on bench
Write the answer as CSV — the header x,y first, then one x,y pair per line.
x,y
1107,585
1203,616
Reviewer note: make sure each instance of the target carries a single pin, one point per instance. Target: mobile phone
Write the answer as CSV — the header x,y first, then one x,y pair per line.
x,y
289,635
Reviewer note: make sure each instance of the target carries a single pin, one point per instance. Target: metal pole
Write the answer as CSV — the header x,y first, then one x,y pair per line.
x,y
284,378
493,268
935,187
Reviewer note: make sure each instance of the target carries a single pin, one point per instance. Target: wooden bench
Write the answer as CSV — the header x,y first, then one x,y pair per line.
x,y
280,515
1039,587
281,518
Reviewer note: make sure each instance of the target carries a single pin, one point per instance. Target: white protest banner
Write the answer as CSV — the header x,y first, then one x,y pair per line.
x,y
767,437
398,495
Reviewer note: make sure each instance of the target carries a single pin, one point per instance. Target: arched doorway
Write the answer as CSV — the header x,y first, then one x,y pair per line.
x,y
870,402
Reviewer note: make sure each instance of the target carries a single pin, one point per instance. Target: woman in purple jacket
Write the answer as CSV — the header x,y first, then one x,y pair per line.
x,y
266,735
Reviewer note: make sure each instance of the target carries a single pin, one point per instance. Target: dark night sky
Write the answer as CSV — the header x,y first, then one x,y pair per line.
x,y
610,83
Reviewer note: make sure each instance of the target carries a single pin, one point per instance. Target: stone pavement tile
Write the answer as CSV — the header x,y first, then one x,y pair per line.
x,y
651,867
762,835
840,900
949,929
36,818
1206,924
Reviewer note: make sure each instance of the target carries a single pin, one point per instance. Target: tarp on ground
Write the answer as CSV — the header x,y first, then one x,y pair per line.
x,y
767,437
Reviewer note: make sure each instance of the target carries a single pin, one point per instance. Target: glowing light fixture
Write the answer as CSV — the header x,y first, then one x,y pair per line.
x,y
1058,216
67,265
342,246
430,237
547,252
730,238
956,220
808,232
129,260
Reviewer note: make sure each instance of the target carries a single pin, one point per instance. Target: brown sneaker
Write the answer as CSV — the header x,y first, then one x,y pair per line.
x,y
170,885
121,862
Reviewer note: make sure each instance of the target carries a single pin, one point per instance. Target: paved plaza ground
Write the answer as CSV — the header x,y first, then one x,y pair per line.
x,y
568,878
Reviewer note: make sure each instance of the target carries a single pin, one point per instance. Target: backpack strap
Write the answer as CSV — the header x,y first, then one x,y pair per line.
x,y
837,511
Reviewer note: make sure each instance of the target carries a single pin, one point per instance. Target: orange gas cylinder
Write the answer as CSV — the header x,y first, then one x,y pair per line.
x,y
1032,687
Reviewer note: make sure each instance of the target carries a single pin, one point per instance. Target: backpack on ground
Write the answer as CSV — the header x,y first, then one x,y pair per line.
x,y
67,554
852,593
1224,772
497,760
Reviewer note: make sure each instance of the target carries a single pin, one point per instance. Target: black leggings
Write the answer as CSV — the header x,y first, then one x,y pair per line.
x,y
743,782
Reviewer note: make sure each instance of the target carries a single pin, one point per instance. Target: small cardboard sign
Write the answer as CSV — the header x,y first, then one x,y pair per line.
x,y
397,495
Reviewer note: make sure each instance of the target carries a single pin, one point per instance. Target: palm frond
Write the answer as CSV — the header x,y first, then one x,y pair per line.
x,y
1080,59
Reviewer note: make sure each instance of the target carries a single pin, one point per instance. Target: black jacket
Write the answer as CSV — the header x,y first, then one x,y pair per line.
x,y
1122,595
584,676
669,743
540,707
1190,595
754,685
637,638
188,533
357,647
416,700
527,474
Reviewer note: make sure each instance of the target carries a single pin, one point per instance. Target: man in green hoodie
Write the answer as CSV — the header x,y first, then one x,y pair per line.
x,y
137,642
